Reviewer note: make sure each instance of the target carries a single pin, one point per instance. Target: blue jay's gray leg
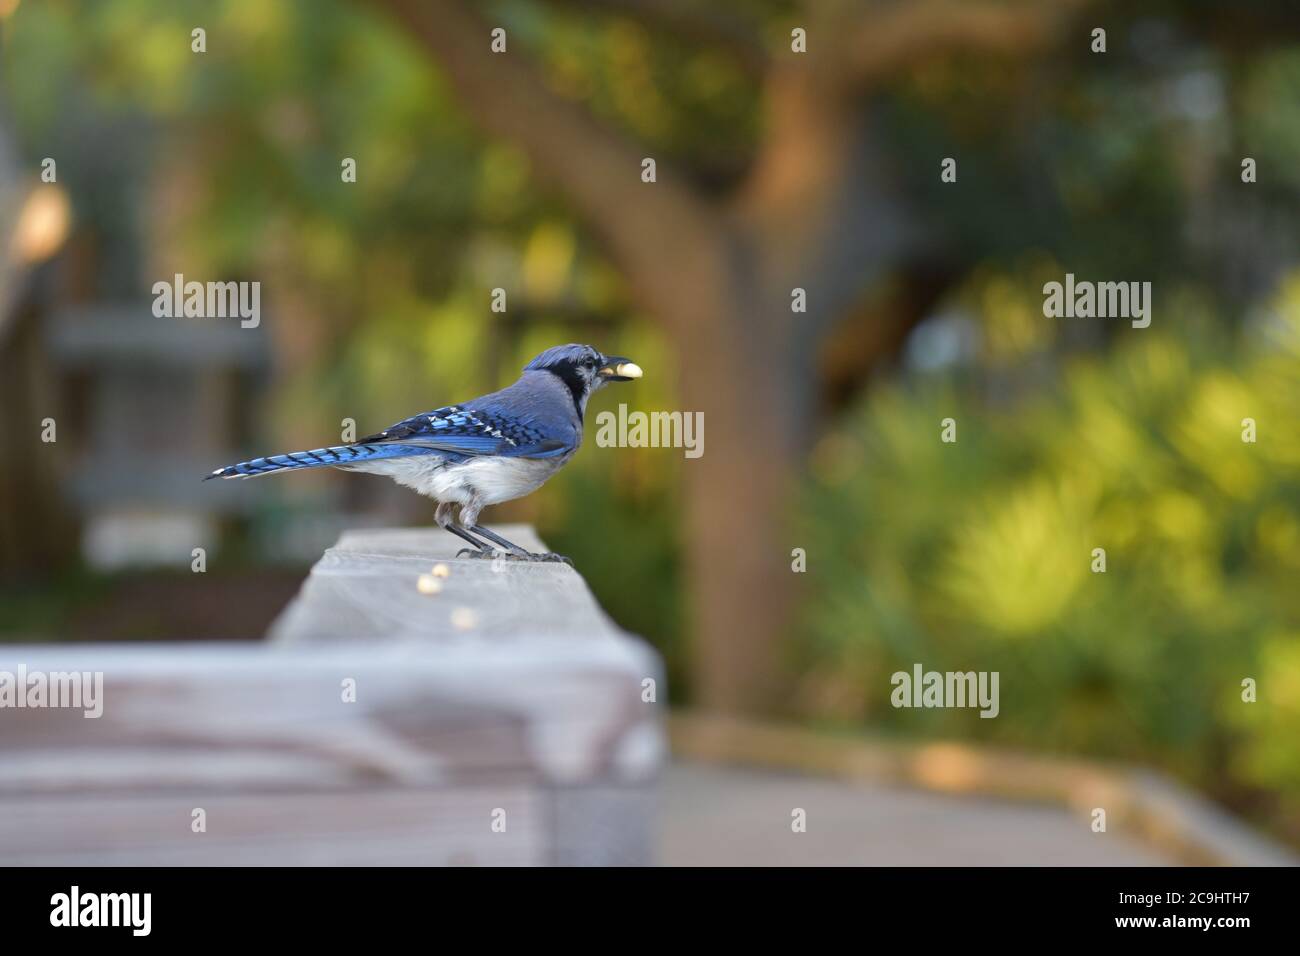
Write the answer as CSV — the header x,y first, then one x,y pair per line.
x,y
495,538
469,519
481,549
443,517
516,551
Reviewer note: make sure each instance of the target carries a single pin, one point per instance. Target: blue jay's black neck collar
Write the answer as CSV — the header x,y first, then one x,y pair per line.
x,y
575,382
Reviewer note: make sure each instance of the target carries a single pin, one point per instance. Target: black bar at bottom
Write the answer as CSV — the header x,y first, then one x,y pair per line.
x,y
334,905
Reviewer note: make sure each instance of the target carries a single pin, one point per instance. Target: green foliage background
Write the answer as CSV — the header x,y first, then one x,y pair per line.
x,y
978,554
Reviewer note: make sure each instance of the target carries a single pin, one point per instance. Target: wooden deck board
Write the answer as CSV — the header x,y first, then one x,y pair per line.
x,y
510,684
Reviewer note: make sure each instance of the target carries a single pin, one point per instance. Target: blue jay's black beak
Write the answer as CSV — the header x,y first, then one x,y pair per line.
x,y
618,369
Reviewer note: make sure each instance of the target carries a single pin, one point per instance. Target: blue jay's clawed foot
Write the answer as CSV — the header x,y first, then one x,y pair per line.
x,y
548,557
486,555
516,552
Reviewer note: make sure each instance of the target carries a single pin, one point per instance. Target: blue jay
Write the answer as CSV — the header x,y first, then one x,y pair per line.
x,y
478,453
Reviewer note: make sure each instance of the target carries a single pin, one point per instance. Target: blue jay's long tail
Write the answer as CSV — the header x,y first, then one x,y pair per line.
x,y
317,458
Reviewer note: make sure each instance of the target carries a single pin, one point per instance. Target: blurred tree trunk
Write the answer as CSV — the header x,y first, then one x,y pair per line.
x,y
820,211
737,369
37,534
37,531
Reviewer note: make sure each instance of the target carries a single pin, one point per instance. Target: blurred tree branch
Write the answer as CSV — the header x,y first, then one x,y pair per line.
x,y
596,169
722,29
901,33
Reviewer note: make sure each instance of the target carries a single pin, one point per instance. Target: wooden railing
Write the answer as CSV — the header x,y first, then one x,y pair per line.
x,y
493,715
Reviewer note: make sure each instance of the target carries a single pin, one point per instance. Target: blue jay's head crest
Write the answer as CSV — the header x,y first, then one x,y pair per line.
x,y
583,369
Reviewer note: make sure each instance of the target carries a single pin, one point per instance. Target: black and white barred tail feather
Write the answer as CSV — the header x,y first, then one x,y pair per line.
x,y
317,458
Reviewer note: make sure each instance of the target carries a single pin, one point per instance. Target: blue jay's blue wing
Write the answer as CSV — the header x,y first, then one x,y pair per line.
x,y
454,432
459,430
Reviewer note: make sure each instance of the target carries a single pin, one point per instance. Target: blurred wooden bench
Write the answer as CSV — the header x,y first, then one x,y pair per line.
x,y
499,721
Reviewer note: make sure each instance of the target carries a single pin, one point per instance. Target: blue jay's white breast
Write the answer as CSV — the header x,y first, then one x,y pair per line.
x,y
488,480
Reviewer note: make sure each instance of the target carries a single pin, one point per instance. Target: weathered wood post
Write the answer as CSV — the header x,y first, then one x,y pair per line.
x,y
500,720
